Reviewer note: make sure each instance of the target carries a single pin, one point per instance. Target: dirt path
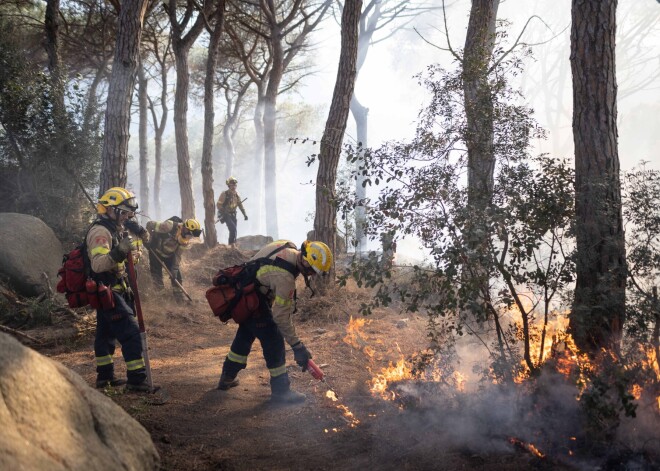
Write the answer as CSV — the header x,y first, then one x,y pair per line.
x,y
202,428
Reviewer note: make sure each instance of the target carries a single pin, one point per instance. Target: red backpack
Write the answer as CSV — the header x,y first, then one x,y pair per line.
x,y
235,292
77,285
74,275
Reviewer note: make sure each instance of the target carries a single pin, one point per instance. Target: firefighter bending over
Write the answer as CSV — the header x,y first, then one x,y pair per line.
x,y
107,250
273,325
168,239
227,204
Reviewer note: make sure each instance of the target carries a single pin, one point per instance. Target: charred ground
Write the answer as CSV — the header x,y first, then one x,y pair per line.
x,y
202,428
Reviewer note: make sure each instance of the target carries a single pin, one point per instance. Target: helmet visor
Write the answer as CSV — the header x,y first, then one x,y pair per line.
x,y
196,232
129,204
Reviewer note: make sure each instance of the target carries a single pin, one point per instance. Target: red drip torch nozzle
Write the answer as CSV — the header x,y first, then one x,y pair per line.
x,y
314,370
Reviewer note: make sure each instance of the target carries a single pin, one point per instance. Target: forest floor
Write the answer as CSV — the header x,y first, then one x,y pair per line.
x,y
202,428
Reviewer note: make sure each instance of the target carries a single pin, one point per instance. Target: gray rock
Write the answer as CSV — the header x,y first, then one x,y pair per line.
x,y
253,242
51,419
28,248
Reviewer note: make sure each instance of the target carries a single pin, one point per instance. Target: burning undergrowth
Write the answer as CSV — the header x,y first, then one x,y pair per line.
x,y
563,415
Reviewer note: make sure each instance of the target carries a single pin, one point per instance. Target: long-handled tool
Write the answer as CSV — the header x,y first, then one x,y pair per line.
x,y
138,311
171,275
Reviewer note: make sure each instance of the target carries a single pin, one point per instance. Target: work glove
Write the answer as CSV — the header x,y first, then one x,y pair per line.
x,y
301,355
245,216
145,236
120,251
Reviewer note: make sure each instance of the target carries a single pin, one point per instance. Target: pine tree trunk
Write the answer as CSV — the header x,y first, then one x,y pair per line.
x,y
325,221
181,132
599,305
361,116
479,44
142,136
270,117
120,91
210,236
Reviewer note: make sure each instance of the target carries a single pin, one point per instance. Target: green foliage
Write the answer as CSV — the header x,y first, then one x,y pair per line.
x,y
28,314
529,222
43,152
641,211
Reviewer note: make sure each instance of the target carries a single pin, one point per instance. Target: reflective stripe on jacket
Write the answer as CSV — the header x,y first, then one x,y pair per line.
x,y
229,201
100,240
279,286
164,239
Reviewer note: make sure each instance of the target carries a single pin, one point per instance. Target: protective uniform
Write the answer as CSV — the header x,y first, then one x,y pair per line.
x,y
227,203
168,240
119,322
273,325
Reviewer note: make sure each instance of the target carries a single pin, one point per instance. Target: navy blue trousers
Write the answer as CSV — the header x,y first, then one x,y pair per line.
x,y
272,344
118,324
232,225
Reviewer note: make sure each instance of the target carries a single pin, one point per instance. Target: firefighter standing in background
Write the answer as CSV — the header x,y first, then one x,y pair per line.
x,y
107,250
227,204
273,325
168,240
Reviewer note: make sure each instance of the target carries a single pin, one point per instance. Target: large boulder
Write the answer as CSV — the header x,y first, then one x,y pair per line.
x,y
29,249
51,419
253,242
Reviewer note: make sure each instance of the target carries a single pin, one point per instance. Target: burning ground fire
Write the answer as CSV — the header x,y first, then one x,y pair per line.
x,y
402,370
403,381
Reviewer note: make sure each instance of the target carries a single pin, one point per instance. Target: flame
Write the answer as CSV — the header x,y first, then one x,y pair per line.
x,y
354,337
392,373
527,446
349,417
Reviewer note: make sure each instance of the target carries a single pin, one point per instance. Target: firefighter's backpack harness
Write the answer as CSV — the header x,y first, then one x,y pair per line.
x,y
235,292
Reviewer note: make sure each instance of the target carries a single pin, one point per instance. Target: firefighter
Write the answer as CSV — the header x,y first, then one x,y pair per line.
x,y
227,204
168,239
107,249
274,325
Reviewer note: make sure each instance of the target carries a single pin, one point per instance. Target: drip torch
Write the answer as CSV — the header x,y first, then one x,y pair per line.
x,y
317,373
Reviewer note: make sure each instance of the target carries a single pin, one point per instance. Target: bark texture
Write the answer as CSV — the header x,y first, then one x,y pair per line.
x,y
142,131
181,44
479,43
599,304
210,236
325,221
120,91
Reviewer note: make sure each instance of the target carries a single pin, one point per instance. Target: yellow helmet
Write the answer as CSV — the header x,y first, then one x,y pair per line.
x,y
193,226
231,180
318,255
117,197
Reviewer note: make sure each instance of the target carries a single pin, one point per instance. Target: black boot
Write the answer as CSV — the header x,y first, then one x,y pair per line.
x,y
102,383
281,391
288,397
227,382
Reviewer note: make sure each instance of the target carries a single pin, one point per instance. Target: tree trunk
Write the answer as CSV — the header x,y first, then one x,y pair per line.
x,y
259,192
599,305
479,43
479,135
159,129
270,118
181,45
361,116
210,237
181,133
142,136
325,221
120,91
52,45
